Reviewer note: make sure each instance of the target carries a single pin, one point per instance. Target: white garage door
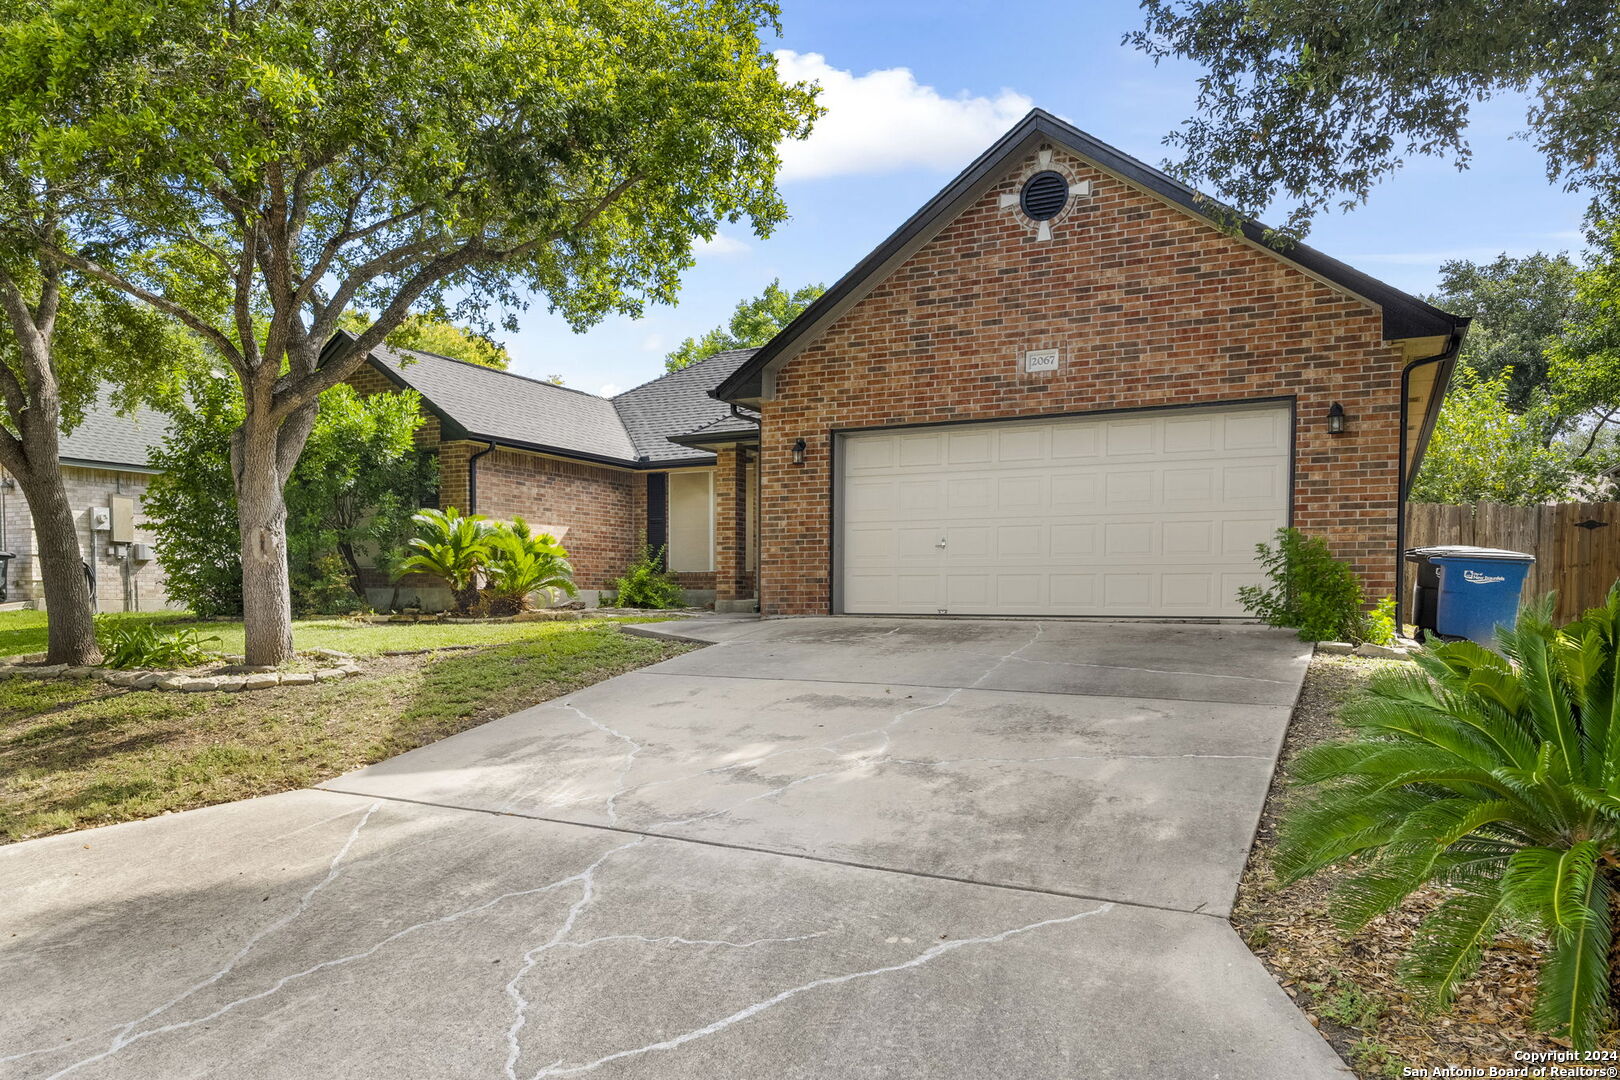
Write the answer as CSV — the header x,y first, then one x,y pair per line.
x,y
1153,513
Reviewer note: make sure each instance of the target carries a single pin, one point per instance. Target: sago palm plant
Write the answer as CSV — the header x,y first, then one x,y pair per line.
x,y
451,546
521,564
1496,777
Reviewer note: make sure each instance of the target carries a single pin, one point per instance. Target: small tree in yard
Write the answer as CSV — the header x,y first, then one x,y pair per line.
x,y
306,158
1497,779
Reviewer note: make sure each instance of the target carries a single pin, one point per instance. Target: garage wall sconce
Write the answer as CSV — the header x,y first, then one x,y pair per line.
x,y
1336,419
798,452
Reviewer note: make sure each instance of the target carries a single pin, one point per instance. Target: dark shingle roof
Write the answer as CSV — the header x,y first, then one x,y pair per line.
x,y
721,431
108,439
676,404
633,428
490,404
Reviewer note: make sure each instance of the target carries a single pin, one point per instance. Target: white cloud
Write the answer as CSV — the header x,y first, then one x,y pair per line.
x,y
885,121
720,244
609,390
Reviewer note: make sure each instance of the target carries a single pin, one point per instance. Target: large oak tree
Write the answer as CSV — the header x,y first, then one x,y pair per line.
x,y
312,156
1311,102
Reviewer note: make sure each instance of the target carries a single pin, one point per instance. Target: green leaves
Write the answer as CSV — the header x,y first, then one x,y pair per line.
x,y
509,562
1482,451
1316,102
1491,775
754,323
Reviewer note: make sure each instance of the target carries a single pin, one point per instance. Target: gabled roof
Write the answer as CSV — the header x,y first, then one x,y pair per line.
x,y
631,430
1405,316
476,402
106,439
675,404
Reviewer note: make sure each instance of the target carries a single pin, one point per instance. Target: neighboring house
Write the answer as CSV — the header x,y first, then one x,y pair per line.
x,y
105,469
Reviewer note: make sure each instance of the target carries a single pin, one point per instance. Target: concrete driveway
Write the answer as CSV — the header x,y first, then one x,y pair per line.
x,y
819,848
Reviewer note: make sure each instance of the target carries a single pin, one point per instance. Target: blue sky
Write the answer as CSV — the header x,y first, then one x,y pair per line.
x,y
916,90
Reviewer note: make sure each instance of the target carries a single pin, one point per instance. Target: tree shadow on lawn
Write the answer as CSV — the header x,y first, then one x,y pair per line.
x,y
144,753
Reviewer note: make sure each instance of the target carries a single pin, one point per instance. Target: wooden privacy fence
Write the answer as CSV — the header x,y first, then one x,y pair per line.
x,y
1576,545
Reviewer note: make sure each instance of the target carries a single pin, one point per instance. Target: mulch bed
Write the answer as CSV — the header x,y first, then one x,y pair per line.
x,y
1348,986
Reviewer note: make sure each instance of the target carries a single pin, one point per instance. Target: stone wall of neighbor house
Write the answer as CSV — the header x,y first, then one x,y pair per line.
x,y
122,584
1149,306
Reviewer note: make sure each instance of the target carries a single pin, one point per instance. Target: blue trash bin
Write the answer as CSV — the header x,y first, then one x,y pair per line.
x,y
1478,590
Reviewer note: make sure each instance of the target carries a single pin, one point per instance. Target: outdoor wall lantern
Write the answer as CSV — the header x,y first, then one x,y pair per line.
x,y
798,452
1336,419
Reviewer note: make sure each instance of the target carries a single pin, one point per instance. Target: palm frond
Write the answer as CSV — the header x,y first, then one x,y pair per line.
x,y
1451,941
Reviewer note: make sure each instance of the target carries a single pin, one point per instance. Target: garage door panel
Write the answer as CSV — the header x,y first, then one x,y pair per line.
x,y
1076,441
1152,514
1130,438
1265,429
1128,490
921,449
1022,444
968,448
973,493
1021,493
1192,435
1191,538
1015,540
1247,485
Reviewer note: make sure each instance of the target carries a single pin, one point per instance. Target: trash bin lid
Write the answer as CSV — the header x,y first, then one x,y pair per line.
x,y
1464,551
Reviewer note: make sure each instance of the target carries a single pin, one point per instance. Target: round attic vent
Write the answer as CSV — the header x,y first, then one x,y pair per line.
x,y
1044,196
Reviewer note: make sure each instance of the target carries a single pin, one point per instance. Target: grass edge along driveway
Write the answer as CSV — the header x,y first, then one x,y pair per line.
x,y
75,755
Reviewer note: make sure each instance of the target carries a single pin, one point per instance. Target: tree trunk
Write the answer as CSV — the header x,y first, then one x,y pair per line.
x,y
352,562
262,456
70,623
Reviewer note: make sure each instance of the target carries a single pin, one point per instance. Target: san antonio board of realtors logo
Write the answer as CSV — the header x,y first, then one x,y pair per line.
x,y
1474,577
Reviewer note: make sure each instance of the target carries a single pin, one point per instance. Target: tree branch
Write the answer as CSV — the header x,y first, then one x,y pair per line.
x,y
179,311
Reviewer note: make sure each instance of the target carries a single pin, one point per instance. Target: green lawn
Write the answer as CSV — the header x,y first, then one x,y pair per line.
x,y
24,632
78,754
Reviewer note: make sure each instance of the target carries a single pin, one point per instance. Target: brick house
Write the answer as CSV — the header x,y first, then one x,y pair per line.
x,y
598,473
1061,389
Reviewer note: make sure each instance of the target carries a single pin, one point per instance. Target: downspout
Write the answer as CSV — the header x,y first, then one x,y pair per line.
x,y
472,477
1404,482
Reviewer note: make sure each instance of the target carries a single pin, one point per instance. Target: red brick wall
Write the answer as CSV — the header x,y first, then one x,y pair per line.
x,y
602,508
1149,306
598,505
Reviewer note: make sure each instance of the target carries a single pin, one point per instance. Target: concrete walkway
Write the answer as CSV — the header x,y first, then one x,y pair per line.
x,y
820,848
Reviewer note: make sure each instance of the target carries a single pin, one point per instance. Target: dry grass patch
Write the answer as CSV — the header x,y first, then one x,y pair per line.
x,y
74,755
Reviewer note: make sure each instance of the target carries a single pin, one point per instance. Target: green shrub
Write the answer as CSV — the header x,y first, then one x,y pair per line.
x,y
452,547
646,584
1309,590
324,587
519,564
138,645
1495,778
1378,625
